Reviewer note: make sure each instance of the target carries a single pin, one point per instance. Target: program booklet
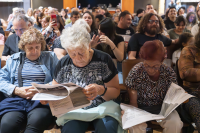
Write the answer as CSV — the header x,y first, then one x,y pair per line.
x,y
62,98
134,116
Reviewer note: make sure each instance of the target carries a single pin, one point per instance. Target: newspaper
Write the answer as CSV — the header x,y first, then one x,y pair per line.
x,y
62,97
134,116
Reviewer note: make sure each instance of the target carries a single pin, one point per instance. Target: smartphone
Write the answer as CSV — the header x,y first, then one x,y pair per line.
x,y
54,19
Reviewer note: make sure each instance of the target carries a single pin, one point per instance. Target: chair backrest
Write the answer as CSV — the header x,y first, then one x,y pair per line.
x,y
127,65
3,63
179,80
7,33
1,50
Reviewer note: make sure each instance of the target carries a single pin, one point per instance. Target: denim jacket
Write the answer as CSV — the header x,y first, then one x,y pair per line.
x,y
48,61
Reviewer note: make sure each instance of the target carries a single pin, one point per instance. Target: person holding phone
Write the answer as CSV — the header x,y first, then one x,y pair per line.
x,y
53,30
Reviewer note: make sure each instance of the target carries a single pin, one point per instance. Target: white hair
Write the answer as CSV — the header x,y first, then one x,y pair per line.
x,y
76,36
19,17
82,23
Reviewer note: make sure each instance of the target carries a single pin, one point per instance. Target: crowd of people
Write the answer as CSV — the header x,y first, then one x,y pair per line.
x,y
87,48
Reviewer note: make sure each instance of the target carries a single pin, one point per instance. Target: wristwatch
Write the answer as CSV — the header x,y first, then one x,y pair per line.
x,y
104,91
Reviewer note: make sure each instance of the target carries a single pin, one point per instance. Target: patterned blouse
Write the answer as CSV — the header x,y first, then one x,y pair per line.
x,y
100,70
150,93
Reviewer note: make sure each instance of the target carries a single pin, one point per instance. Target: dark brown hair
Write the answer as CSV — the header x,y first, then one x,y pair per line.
x,y
145,19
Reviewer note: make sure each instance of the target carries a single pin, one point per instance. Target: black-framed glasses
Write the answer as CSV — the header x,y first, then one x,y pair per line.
x,y
152,21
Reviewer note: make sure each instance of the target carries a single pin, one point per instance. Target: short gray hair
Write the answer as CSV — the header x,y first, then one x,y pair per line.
x,y
76,36
19,11
19,17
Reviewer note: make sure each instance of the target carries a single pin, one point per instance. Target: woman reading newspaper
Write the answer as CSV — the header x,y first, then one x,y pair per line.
x,y
148,83
31,66
94,71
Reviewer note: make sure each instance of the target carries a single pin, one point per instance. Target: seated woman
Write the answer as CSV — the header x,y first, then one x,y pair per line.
x,y
51,30
38,24
148,83
191,19
91,69
189,70
89,18
21,69
180,24
111,43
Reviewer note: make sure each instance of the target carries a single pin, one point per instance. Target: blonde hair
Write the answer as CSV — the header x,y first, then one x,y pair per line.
x,y
32,35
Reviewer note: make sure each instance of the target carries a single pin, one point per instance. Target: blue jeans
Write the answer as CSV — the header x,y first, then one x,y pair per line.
x,y
104,125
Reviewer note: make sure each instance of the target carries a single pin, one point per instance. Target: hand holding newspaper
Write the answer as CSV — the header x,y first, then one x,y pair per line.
x,y
134,116
62,97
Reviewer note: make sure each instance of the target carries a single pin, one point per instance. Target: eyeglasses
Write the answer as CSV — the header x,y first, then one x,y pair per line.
x,y
21,30
155,68
152,21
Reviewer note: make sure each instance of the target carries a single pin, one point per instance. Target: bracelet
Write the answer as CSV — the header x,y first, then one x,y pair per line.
x,y
104,91
114,48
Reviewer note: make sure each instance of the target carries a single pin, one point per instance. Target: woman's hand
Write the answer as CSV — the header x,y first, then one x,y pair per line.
x,y
92,90
25,92
95,41
57,32
51,24
105,39
30,92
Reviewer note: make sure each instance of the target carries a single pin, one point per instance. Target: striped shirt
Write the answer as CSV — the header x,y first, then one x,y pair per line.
x,y
31,72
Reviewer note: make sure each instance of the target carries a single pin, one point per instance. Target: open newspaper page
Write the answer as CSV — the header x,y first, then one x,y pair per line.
x,y
134,116
174,97
62,97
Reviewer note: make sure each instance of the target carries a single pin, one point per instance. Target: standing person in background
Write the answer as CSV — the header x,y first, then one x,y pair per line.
x,y
178,5
169,22
172,4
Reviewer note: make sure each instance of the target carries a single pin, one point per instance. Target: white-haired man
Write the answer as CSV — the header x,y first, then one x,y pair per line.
x,y
20,24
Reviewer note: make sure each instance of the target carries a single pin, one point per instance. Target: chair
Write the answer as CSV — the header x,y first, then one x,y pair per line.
x,y
1,50
3,63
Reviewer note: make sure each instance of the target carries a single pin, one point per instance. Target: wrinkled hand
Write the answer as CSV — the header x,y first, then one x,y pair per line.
x,y
30,92
122,113
92,90
95,41
25,92
105,39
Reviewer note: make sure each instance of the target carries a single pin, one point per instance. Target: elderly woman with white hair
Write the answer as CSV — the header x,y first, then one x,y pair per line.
x,y
94,71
